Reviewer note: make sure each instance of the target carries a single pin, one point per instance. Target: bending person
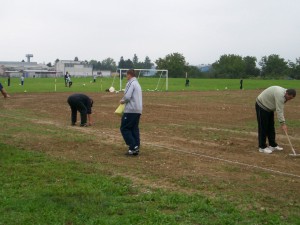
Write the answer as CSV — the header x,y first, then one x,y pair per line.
x,y
83,104
270,100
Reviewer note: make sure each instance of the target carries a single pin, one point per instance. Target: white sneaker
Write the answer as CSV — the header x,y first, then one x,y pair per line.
x,y
277,148
265,150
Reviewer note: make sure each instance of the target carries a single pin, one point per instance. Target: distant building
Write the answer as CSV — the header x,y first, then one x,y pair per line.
x,y
28,69
74,68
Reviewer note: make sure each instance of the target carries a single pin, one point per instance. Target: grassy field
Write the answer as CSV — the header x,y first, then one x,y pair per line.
x,y
52,173
175,84
37,189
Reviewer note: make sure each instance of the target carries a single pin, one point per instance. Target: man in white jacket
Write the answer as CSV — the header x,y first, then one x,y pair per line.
x,y
270,100
132,113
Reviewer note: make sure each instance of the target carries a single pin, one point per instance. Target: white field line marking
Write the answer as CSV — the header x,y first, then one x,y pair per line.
x,y
180,150
226,160
244,132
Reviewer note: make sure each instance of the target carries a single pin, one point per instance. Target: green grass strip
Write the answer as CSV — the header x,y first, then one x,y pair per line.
x,y
38,189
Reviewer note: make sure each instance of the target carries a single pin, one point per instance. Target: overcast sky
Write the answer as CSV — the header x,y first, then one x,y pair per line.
x,y
200,30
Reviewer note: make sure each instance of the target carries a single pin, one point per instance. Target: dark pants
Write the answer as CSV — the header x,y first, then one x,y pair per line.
x,y
130,129
78,106
266,127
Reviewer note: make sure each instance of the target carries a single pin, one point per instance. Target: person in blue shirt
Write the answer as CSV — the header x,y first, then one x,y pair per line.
x,y
3,92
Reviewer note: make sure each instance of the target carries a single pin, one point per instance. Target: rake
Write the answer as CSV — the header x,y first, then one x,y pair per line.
x,y
294,152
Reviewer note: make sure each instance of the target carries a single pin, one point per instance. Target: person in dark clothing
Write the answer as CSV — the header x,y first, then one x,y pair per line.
x,y
187,82
66,78
83,104
241,84
8,80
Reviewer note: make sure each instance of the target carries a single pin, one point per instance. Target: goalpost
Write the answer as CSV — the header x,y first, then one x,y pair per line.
x,y
150,79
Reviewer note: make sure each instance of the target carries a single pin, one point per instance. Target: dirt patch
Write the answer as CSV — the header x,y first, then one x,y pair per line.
x,y
191,141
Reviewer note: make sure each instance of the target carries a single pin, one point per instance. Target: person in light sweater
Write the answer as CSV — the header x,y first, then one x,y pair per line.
x,y
270,100
133,109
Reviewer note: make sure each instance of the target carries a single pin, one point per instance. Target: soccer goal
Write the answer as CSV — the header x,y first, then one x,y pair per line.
x,y
149,79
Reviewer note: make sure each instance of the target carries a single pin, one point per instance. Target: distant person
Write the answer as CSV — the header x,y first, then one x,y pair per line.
x,y
8,80
22,80
83,104
270,100
66,79
3,92
187,82
69,81
241,84
133,109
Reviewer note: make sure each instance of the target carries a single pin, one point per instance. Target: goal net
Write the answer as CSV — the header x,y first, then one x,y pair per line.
x,y
149,79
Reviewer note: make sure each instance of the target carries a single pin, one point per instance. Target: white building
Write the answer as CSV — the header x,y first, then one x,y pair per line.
x,y
28,69
74,68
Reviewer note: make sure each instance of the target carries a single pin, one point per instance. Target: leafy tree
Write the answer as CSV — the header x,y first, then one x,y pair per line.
x,y
76,59
49,64
129,64
230,66
56,61
147,63
122,64
193,71
96,64
273,66
135,61
294,69
108,64
175,63
250,66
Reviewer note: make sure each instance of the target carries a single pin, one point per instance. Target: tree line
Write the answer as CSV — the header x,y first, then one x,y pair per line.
x,y
227,66
233,66
272,66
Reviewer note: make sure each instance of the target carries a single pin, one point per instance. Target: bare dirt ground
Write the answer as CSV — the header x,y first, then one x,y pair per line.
x,y
202,142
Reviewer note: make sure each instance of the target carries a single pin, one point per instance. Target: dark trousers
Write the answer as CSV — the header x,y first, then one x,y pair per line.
x,y
266,127
78,106
130,129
